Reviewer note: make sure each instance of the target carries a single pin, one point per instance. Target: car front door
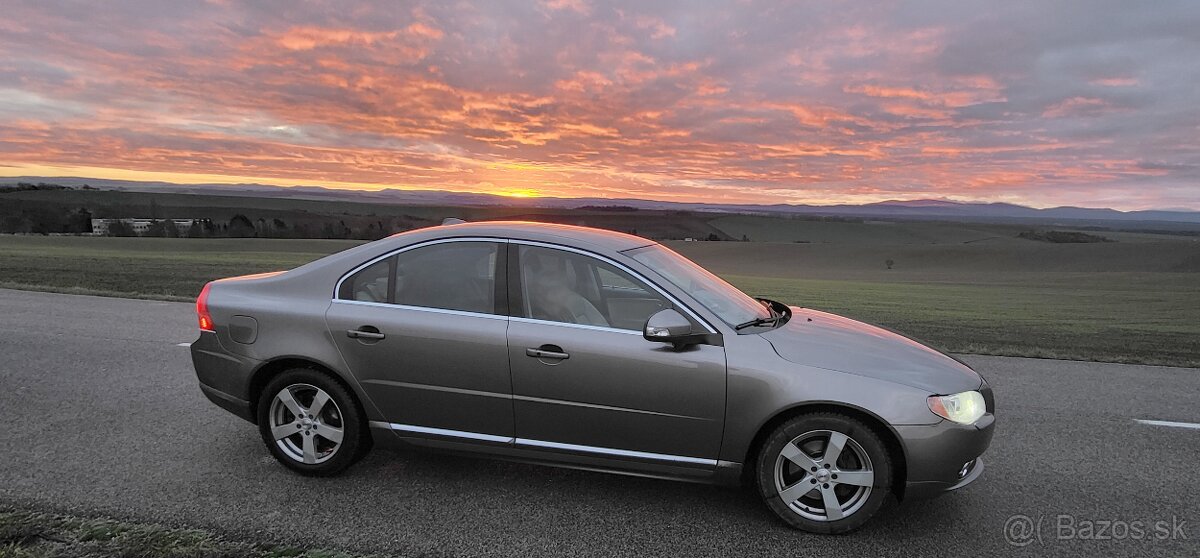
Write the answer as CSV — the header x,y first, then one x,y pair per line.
x,y
423,330
586,381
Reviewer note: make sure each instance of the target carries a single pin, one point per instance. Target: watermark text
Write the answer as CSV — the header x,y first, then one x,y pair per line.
x,y
1023,530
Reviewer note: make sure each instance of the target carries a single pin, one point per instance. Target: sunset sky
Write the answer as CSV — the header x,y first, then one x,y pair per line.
x,y
1036,102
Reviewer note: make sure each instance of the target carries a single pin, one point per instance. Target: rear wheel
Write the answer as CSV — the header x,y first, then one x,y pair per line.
x,y
310,423
824,472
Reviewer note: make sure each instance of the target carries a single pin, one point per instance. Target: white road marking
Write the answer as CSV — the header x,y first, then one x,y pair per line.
x,y
183,344
1169,423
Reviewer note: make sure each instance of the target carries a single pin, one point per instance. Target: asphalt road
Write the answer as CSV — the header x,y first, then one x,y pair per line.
x,y
102,416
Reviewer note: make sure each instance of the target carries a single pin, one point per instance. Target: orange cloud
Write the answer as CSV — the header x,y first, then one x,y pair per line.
x,y
959,98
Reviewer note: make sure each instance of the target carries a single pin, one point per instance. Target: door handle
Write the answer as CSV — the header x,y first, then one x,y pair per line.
x,y
365,332
547,351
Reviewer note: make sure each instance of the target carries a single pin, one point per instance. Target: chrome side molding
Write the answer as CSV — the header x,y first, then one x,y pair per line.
x,y
616,452
441,432
525,442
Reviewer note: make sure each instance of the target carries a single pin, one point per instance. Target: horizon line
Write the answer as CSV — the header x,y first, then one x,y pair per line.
x,y
380,188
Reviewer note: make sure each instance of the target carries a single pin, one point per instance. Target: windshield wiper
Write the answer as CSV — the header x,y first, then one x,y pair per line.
x,y
774,319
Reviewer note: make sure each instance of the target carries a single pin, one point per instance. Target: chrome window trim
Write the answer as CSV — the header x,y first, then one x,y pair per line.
x,y
483,315
541,443
422,309
523,319
704,323
337,287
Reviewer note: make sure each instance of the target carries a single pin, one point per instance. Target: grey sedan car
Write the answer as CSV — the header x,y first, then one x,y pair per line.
x,y
591,349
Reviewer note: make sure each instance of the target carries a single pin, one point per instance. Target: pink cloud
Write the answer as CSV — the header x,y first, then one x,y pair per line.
x,y
1076,106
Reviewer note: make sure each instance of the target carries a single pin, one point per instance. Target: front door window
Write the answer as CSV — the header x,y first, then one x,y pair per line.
x,y
567,287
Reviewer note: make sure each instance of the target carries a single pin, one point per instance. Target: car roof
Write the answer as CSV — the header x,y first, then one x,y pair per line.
x,y
598,240
546,232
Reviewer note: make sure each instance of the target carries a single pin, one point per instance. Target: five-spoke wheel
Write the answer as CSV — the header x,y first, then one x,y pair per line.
x,y
311,423
824,472
306,425
818,478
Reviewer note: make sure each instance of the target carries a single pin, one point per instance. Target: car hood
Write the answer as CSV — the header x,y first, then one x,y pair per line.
x,y
829,341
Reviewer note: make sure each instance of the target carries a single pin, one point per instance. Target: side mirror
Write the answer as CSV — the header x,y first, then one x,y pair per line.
x,y
669,326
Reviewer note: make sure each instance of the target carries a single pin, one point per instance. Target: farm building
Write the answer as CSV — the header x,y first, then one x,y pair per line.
x,y
139,226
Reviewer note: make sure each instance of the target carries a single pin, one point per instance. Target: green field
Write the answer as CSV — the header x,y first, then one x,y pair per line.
x,y
1135,300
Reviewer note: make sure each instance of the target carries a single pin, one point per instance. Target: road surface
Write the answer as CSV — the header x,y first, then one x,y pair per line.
x,y
102,416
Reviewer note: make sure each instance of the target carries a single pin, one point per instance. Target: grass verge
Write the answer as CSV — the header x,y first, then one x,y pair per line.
x,y
76,290
25,534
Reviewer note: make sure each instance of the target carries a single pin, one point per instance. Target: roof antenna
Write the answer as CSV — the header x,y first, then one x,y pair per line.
x,y
452,221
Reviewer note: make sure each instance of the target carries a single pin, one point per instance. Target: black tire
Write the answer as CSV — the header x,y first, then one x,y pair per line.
x,y
344,413
816,429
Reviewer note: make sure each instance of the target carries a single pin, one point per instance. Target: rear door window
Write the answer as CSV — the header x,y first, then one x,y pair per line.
x,y
369,284
449,276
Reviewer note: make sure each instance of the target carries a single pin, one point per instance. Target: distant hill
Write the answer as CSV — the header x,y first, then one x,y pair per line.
x,y
896,209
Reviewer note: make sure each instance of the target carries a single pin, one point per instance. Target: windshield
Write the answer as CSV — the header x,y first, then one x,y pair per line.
x,y
724,300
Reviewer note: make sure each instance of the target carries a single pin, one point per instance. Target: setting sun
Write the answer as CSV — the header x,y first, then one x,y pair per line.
x,y
528,193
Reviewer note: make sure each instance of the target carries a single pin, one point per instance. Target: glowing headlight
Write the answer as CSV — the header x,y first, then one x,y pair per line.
x,y
963,408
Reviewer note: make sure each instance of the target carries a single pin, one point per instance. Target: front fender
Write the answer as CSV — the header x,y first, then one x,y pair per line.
x,y
762,385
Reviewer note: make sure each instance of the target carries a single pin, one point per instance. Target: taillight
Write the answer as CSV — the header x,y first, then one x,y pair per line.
x,y
206,322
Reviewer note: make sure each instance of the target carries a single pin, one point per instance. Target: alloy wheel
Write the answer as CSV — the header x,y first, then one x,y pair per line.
x,y
823,475
306,423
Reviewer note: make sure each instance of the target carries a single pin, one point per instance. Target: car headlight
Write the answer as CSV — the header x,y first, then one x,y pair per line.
x,y
963,408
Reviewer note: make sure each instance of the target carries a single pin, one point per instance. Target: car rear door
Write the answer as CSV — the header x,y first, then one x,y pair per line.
x,y
586,381
424,331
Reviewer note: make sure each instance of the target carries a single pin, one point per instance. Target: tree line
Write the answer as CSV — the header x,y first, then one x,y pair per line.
x,y
48,220
241,226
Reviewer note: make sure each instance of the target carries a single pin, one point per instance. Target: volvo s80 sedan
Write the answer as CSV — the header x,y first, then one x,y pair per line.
x,y
592,349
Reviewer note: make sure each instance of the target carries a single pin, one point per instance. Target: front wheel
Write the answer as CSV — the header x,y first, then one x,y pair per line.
x,y
824,473
310,423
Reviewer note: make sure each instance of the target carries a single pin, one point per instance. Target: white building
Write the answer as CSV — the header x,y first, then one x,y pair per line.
x,y
139,226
